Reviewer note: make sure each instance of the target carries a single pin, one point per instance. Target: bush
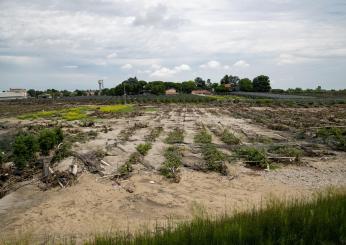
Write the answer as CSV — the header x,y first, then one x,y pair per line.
x,y
173,161
203,137
253,156
49,138
214,158
24,148
144,148
63,152
288,151
334,137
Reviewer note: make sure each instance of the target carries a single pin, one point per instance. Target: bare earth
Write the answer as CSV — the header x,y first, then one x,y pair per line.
x,y
96,204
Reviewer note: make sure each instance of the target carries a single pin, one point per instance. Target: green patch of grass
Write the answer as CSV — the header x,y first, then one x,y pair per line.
x,y
214,159
319,220
144,148
150,109
203,137
73,116
38,115
170,167
175,136
253,156
229,138
117,108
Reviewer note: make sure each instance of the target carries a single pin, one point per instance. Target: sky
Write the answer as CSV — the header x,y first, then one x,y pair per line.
x,y
74,43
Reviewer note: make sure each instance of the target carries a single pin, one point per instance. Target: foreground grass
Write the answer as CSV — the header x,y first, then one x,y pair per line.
x,y
321,220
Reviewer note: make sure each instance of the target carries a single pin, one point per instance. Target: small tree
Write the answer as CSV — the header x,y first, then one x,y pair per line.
x,y
24,148
261,84
245,85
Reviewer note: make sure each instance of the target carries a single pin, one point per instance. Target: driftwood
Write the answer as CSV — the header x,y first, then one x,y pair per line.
x,y
90,161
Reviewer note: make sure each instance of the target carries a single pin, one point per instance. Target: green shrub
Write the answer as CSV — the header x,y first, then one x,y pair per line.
x,y
334,137
49,138
203,137
229,138
24,149
170,167
176,136
288,151
63,152
144,148
125,170
253,156
154,134
214,159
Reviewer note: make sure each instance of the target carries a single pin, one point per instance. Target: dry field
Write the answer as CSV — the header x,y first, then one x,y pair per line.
x,y
143,197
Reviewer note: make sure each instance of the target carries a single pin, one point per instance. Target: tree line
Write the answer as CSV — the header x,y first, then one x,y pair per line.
x,y
133,86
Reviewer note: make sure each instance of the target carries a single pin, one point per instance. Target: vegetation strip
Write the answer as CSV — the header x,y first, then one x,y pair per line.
x,y
321,220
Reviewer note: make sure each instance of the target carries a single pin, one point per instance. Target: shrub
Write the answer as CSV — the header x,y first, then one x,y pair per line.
x,y
170,167
288,151
214,158
229,138
49,138
154,134
24,148
144,148
63,152
203,137
125,170
334,137
253,156
176,136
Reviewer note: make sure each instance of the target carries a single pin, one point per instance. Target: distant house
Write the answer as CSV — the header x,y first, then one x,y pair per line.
x,y
45,96
13,94
201,92
231,86
171,91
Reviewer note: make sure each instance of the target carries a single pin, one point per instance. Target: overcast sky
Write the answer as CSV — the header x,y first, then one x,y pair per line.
x,y
72,44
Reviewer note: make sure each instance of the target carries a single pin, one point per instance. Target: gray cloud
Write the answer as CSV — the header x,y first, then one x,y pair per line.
x,y
41,39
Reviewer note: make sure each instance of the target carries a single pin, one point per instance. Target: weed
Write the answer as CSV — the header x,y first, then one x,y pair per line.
x,y
62,152
154,134
287,151
253,156
117,108
229,138
49,138
144,148
202,137
125,170
175,136
333,137
24,149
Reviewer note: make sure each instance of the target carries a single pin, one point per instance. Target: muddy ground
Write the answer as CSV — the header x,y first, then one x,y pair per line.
x,y
98,204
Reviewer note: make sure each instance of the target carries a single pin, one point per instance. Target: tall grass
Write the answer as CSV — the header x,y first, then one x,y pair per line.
x,y
321,220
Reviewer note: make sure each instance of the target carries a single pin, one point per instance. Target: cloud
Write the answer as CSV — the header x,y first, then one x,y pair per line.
x,y
241,64
71,67
164,72
213,64
127,67
112,55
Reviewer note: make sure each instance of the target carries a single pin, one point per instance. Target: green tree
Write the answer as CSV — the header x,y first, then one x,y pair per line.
x,y
200,83
245,85
227,79
48,139
261,84
188,86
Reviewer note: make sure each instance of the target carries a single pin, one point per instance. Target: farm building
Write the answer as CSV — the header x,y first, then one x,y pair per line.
x,y
201,92
14,93
171,91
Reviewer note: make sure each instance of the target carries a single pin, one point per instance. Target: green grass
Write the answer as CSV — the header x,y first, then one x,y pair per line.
x,y
229,138
333,137
73,116
150,109
287,151
175,136
321,220
203,137
144,148
117,108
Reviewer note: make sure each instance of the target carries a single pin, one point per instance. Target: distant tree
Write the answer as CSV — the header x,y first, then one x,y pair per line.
x,y
220,88
65,93
78,92
227,79
32,93
188,86
261,84
200,83
245,85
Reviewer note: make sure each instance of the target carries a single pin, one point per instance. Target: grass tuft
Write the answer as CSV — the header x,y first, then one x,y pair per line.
x,y
175,136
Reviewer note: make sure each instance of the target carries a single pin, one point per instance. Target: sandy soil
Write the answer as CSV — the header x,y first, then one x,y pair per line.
x,y
97,204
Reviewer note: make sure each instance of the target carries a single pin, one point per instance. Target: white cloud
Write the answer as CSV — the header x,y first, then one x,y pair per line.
x,y
164,72
241,64
290,59
71,67
127,67
213,64
112,55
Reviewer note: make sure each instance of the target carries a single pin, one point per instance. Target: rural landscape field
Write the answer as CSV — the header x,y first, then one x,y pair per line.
x,y
142,167
172,122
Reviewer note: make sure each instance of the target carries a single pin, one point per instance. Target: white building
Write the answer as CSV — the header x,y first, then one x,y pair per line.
x,y
14,93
